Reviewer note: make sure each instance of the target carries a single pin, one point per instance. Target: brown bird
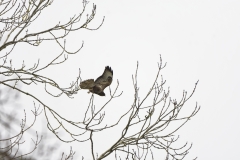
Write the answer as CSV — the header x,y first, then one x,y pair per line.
x,y
100,83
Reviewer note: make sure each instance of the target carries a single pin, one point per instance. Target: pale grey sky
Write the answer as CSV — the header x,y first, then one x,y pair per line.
x,y
199,40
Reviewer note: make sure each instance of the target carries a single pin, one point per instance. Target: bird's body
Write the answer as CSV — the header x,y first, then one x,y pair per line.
x,y
100,83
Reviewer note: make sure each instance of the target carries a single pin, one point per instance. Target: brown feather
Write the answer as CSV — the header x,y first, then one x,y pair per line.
x,y
100,83
87,84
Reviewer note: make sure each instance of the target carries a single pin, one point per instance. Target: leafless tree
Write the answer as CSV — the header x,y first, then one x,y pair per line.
x,y
15,132
16,18
150,121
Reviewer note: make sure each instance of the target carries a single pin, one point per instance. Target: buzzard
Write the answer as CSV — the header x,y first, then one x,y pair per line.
x,y
100,83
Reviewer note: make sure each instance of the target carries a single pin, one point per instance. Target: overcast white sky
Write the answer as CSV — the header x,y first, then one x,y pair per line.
x,y
199,40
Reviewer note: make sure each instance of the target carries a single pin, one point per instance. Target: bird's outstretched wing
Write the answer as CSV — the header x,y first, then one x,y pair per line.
x,y
100,83
106,78
87,84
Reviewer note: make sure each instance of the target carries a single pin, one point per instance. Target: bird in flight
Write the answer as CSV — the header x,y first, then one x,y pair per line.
x,y
100,83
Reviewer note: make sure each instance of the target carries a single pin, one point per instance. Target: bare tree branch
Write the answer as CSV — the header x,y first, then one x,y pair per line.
x,y
151,121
